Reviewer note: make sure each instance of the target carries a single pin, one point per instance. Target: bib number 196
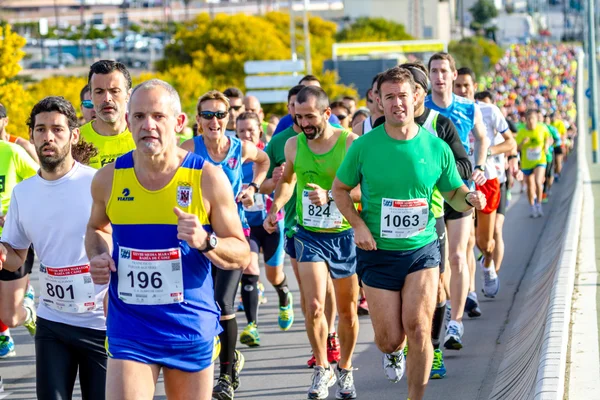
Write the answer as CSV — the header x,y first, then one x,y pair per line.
x,y
143,280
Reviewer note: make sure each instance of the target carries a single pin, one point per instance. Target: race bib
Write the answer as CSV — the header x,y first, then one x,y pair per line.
x,y
326,216
401,219
150,277
67,289
259,202
534,154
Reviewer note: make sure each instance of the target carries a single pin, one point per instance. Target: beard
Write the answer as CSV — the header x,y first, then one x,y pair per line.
x,y
51,162
317,131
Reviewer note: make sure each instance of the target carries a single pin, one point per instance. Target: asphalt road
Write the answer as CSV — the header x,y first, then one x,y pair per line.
x,y
277,369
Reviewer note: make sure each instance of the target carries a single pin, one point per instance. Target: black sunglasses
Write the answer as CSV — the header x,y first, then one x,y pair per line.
x,y
211,114
342,117
235,108
87,104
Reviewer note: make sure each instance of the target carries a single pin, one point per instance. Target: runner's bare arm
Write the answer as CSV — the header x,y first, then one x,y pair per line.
x,y
11,259
98,236
508,146
261,162
188,145
458,199
355,193
342,195
232,251
481,140
29,148
285,187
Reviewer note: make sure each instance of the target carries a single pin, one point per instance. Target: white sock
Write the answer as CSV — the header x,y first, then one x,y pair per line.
x,y
5,333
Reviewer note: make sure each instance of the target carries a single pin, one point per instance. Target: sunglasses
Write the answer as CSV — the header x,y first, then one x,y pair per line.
x,y
211,114
87,104
342,117
235,108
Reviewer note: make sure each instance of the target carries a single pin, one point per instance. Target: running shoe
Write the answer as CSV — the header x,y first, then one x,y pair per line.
x,y
363,306
346,389
333,348
262,299
223,390
453,339
508,197
286,314
534,212
394,365
405,350
545,198
438,369
30,323
540,211
322,380
472,306
29,295
250,336
448,316
491,283
7,347
238,365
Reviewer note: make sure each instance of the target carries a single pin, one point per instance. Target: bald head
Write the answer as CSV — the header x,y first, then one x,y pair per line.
x,y
252,104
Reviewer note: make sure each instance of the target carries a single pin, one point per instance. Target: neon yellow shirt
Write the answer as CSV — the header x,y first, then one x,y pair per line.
x,y
109,147
560,127
533,152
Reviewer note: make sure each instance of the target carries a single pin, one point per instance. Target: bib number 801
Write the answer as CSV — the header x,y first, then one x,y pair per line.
x,y
143,279
398,221
319,211
59,291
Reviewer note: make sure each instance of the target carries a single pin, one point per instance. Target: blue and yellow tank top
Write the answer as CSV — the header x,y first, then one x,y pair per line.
x,y
144,223
231,165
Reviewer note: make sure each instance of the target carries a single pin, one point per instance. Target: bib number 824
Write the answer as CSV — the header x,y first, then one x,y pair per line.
x,y
398,221
319,211
143,279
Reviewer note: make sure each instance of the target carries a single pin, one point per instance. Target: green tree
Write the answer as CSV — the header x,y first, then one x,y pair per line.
x,y
483,12
373,30
477,53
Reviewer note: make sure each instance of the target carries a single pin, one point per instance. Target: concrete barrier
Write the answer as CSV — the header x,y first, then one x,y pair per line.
x,y
536,352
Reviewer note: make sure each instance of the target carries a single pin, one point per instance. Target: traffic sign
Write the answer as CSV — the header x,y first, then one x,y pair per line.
x,y
271,81
269,96
273,66
588,93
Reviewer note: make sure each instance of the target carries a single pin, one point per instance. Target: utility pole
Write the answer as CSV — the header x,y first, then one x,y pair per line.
x,y
593,77
307,57
82,27
293,31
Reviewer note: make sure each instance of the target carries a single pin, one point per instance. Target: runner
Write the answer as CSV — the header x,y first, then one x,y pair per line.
x,y
287,121
350,103
550,155
558,149
466,117
229,153
16,294
465,86
110,84
324,240
443,128
360,116
252,104
398,254
342,112
249,129
71,328
87,106
28,147
236,107
373,106
175,328
276,152
533,141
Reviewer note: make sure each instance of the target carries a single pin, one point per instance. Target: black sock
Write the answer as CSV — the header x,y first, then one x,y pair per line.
x,y
282,291
438,324
250,297
228,339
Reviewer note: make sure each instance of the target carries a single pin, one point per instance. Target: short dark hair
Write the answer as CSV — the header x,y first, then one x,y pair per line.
x,y
309,78
247,115
531,111
84,90
294,91
54,104
467,71
349,98
308,92
485,94
375,79
444,57
397,75
3,113
233,93
339,104
105,67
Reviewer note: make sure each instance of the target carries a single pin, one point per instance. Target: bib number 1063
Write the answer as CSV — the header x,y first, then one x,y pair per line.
x,y
405,221
401,219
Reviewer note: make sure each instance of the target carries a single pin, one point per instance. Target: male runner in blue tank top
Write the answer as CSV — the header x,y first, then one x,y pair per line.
x,y
165,215
466,117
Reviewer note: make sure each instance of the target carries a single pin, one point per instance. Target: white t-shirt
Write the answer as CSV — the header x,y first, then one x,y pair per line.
x,y
495,125
53,215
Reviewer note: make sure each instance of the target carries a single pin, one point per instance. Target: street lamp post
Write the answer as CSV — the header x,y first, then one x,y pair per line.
x,y
293,31
307,57
58,26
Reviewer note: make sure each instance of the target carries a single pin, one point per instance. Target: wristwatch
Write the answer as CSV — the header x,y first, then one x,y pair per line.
x,y
329,195
467,201
255,186
211,243
489,152
480,167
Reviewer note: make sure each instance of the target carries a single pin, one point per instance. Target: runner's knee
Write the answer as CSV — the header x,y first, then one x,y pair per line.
x,y
315,309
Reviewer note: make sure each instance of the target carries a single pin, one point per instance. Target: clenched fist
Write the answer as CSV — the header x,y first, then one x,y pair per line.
x,y
100,268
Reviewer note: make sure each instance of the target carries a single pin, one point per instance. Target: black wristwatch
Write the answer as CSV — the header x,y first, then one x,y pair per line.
x,y
329,195
467,201
211,243
480,167
255,186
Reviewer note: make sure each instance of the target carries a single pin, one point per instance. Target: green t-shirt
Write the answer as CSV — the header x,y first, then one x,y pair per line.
x,y
319,169
276,152
532,152
15,166
397,179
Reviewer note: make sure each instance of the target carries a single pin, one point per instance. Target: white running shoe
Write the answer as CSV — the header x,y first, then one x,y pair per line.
x,y
453,338
322,380
491,283
394,365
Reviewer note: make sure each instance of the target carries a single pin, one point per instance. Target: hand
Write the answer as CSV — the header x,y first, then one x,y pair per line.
x,y
278,173
478,177
363,238
100,268
3,253
190,229
2,220
513,166
317,196
246,196
477,199
519,175
270,223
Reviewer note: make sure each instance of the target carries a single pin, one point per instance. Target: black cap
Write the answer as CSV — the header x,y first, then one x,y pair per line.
x,y
3,113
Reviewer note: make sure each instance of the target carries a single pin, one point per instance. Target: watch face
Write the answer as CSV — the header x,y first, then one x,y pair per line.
x,y
212,240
